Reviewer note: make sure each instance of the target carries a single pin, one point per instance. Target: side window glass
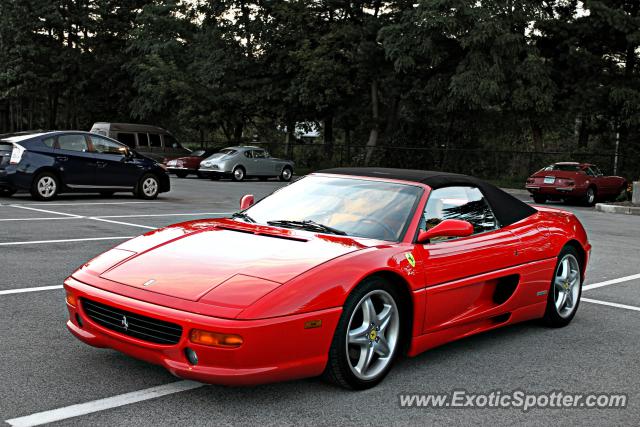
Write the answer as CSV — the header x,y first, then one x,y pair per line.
x,y
128,139
49,142
73,142
171,142
590,172
143,140
464,203
106,146
154,140
258,154
248,154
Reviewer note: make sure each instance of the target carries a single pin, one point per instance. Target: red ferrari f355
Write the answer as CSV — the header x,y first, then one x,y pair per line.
x,y
337,274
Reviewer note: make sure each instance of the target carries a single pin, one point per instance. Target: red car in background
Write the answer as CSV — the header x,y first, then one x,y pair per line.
x,y
582,182
184,166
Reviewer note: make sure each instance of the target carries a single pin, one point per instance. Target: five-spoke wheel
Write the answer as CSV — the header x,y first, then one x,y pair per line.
x,y
368,336
566,288
45,187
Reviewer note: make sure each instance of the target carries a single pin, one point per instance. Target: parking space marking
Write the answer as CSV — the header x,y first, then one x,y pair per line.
x,y
610,304
103,404
161,215
45,211
611,282
38,242
38,219
23,290
95,218
90,203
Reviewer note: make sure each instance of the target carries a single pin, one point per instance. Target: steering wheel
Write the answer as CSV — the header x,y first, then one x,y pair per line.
x,y
388,231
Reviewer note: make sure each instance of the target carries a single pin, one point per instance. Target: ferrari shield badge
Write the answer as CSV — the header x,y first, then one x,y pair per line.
x,y
410,258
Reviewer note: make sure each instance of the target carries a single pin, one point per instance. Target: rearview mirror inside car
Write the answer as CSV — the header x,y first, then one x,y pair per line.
x,y
447,228
246,201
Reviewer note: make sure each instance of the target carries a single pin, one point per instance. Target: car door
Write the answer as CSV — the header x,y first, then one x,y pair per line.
x,y
115,169
453,268
247,161
75,162
261,163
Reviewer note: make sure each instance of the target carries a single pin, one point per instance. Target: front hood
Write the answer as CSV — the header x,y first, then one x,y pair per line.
x,y
191,265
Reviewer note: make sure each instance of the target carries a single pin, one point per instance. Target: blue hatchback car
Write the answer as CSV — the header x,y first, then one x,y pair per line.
x,y
49,163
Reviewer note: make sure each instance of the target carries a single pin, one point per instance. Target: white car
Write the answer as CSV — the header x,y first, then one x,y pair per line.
x,y
239,163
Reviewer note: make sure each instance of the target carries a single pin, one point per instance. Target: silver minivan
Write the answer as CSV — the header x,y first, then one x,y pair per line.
x,y
151,141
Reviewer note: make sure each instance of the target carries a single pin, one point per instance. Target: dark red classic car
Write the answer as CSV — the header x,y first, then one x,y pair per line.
x,y
574,181
184,166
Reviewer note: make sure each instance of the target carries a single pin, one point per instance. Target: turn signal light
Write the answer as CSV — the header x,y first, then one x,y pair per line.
x,y
72,299
215,339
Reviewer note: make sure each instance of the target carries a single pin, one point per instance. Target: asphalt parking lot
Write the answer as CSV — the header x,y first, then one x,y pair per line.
x,y
44,368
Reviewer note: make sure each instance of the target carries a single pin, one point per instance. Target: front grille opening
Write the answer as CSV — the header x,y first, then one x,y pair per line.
x,y
132,324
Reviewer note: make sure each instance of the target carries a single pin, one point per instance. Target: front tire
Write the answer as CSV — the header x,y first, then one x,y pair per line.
x,y
148,187
566,289
45,187
367,339
238,174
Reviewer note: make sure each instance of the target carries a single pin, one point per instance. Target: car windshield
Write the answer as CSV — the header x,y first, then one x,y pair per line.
x,y
561,167
351,206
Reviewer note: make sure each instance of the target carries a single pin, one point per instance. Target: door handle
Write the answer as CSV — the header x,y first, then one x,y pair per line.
x,y
62,158
101,164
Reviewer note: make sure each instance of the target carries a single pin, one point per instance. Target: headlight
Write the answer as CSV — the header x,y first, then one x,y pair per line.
x,y
171,163
16,154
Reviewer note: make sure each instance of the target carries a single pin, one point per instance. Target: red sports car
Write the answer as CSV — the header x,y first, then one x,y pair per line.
x,y
574,181
338,274
184,166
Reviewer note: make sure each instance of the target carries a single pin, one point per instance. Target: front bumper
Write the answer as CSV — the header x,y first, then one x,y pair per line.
x,y
174,169
274,349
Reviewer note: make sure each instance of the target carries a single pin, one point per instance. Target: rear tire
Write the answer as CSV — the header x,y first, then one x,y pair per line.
x,y
590,196
149,187
540,199
182,174
564,294
367,339
286,174
45,187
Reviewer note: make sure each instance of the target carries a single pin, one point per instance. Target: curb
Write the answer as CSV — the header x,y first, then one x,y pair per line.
x,y
617,209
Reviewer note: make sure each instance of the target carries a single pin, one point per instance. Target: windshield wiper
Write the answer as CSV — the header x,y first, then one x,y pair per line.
x,y
244,216
307,225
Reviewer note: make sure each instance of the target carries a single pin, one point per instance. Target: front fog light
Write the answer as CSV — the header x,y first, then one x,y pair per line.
x,y
192,356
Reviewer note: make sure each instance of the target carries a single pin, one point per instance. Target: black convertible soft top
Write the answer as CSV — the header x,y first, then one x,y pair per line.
x,y
507,208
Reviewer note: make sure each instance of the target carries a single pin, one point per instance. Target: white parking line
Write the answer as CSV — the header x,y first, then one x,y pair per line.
x,y
611,282
38,242
610,304
45,211
95,218
161,215
23,290
87,204
38,219
103,404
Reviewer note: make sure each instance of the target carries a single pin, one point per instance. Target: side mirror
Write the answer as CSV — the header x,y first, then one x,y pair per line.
x,y
246,201
447,228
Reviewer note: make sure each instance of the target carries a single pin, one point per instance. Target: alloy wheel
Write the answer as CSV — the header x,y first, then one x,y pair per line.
x,y
566,289
150,187
372,334
46,187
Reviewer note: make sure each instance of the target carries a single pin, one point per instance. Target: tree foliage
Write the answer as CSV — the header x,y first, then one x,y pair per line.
x,y
499,74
